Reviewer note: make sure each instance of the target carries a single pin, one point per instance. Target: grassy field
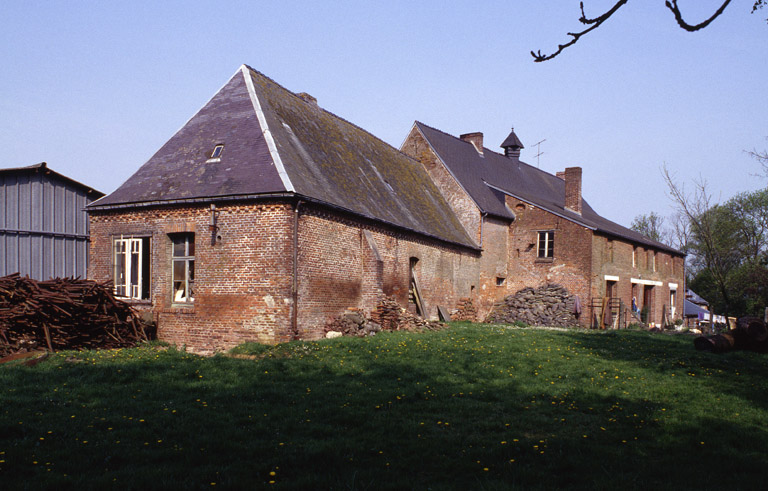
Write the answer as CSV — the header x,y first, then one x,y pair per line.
x,y
471,407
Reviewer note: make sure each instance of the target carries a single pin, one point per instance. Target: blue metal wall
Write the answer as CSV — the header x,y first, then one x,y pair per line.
x,y
43,225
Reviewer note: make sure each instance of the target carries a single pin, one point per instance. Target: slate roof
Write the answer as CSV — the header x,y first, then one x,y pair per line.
x,y
690,309
276,143
695,298
489,177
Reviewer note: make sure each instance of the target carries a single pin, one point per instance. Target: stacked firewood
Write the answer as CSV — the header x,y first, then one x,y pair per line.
x,y
392,317
465,311
64,314
750,334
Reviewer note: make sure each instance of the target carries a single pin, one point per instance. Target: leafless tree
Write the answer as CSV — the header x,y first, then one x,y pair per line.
x,y
762,158
698,208
596,22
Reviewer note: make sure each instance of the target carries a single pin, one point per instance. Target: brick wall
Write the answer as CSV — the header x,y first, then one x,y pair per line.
x,y
242,283
571,264
632,268
344,262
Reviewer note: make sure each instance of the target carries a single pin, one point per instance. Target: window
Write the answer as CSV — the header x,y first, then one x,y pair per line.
x,y
546,244
131,267
217,151
634,257
183,267
500,281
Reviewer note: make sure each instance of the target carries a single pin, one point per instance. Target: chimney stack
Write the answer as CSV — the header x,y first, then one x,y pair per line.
x,y
475,139
560,174
573,189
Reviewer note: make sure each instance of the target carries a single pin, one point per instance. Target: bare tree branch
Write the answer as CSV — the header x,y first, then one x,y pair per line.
x,y
672,5
595,23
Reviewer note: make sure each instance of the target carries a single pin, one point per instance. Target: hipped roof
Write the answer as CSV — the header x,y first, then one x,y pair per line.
x,y
276,143
487,178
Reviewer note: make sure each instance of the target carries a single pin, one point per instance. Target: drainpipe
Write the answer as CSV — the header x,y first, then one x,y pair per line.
x,y
482,221
295,285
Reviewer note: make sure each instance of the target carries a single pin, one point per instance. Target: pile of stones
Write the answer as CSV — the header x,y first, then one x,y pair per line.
x,y
387,316
549,305
352,323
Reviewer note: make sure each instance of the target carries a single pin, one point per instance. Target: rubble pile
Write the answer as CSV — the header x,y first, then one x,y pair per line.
x,y
465,311
352,323
392,317
387,316
64,314
549,305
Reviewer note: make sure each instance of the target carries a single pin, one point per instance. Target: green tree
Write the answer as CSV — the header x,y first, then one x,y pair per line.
x,y
652,226
728,247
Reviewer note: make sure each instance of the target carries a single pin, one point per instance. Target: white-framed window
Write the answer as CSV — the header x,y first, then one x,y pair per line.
x,y
183,267
131,267
672,301
546,244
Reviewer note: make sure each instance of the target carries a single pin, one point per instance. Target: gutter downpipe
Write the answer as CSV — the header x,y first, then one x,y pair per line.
x,y
482,222
295,285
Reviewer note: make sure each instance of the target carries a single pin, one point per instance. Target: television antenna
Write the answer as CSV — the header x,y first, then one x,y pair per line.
x,y
539,153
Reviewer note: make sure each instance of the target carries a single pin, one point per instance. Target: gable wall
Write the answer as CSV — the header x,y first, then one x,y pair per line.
x,y
416,147
571,265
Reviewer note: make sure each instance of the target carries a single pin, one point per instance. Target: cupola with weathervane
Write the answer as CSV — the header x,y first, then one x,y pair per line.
x,y
512,145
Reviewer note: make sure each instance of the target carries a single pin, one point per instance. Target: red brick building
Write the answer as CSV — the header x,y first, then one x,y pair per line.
x,y
535,228
265,217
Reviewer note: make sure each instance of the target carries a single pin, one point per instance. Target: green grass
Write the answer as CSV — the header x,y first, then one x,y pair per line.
x,y
471,407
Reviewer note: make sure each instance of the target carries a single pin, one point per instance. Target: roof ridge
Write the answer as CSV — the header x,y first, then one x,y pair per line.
x,y
484,147
294,94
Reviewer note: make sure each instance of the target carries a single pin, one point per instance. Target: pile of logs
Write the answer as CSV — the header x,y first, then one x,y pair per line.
x,y
64,314
465,311
750,334
550,305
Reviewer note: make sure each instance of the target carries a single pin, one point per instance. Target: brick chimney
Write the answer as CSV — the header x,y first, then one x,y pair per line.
x,y
560,174
475,139
573,189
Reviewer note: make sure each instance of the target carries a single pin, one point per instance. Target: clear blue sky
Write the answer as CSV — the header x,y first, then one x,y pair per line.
x,y
95,88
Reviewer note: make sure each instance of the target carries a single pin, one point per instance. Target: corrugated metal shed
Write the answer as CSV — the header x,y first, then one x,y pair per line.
x,y
43,223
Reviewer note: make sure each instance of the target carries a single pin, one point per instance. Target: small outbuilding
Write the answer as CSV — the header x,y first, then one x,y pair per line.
x,y
43,223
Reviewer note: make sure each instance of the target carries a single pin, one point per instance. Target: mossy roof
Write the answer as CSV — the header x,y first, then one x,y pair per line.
x,y
278,143
488,178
